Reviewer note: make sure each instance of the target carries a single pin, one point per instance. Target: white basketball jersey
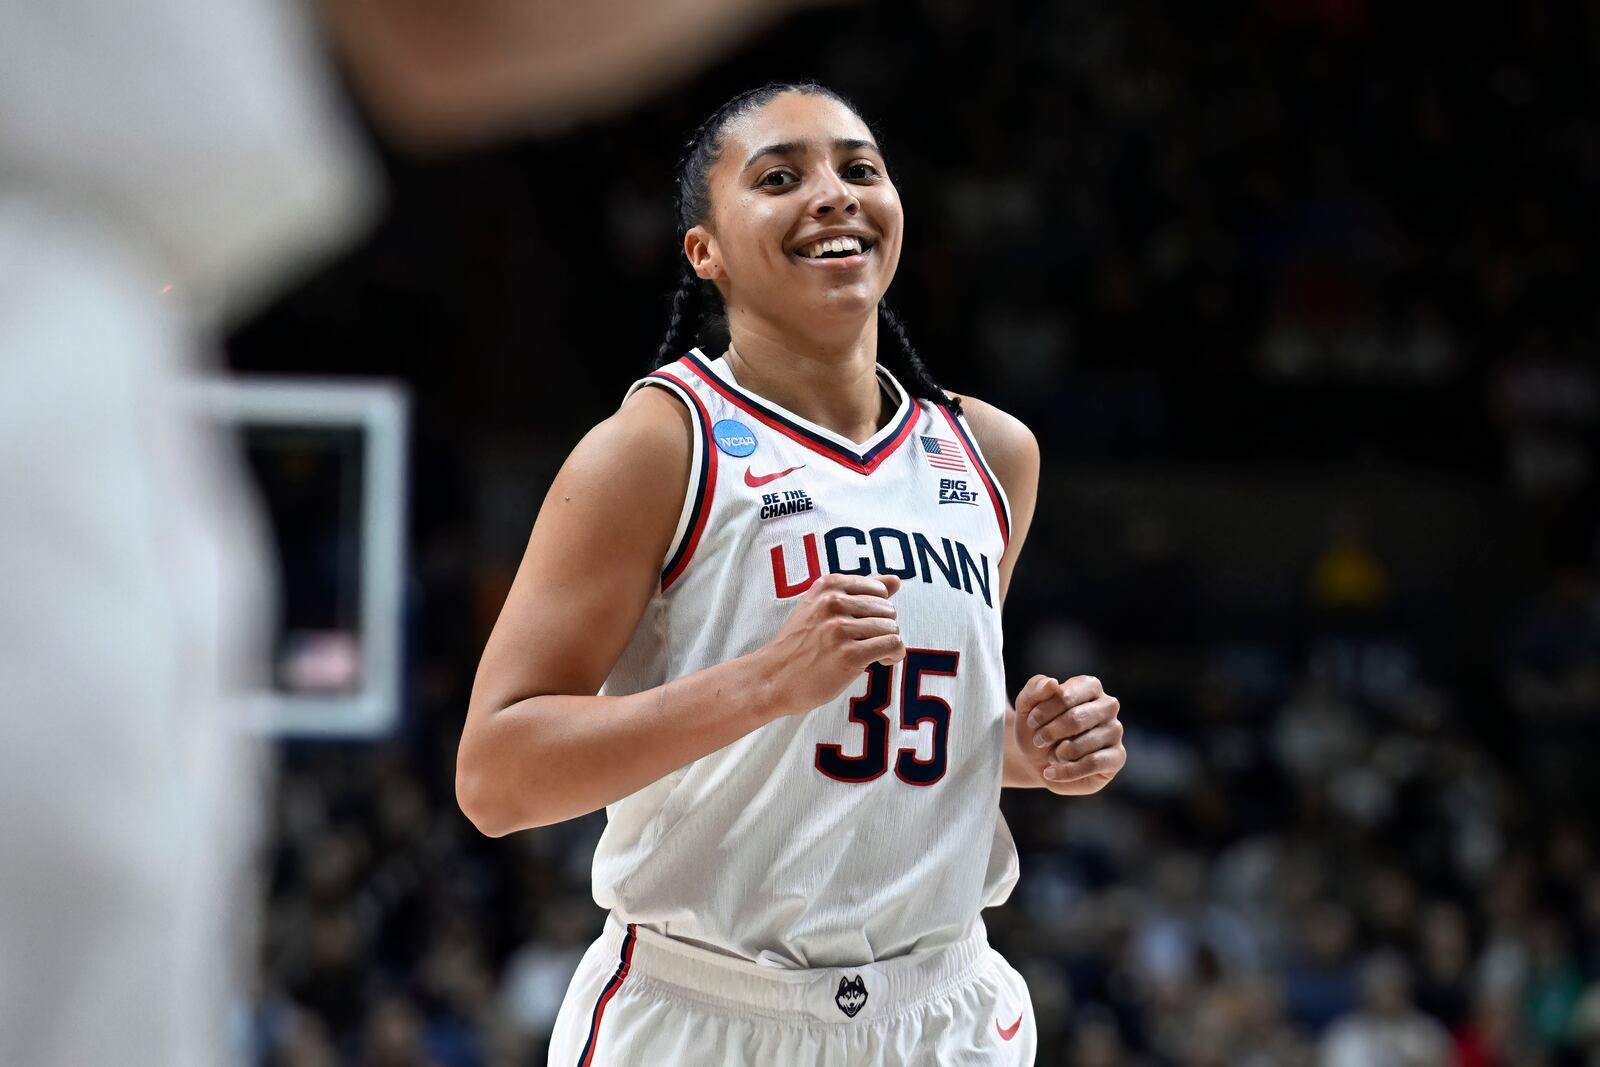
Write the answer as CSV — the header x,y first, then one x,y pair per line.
x,y
867,827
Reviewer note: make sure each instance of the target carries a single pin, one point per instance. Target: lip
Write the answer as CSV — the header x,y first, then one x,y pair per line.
x,y
845,263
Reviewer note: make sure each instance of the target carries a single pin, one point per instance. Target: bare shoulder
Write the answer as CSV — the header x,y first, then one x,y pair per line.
x,y
594,557
646,443
1007,444
619,494
652,416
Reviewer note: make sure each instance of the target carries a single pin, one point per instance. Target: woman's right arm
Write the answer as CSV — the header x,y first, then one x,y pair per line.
x,y
539,746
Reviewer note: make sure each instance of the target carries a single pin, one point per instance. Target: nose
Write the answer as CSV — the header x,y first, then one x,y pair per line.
x,y
835,195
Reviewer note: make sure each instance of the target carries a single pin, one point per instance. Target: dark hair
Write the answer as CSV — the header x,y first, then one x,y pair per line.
x,y
696,305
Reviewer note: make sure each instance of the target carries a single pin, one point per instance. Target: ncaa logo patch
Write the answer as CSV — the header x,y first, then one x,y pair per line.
x,y
852,995
734,438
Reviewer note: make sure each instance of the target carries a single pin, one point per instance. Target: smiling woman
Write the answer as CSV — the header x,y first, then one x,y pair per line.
x,y
758,202
782,568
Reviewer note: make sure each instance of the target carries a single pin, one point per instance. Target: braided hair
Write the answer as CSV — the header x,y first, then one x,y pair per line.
x,y
696,303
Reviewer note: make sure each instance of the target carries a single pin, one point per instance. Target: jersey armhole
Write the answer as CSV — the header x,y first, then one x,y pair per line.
x,y
702,476
997,493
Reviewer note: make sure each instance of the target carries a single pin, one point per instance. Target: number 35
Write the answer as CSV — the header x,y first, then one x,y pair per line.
x,y
869,712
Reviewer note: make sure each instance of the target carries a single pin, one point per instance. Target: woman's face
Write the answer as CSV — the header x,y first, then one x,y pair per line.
x,y
797,171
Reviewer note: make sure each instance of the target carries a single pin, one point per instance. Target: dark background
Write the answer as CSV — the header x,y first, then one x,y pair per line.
x,y
1299,297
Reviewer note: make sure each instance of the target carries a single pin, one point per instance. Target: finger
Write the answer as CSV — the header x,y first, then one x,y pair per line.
x,y
892,583
862,607
887,650
858,584
1106,735
1047,711
1107,761
1039,687
869,627
1072,721
1083,787
1081,689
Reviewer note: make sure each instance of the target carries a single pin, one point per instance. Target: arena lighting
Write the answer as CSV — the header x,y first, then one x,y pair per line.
x,y
336,669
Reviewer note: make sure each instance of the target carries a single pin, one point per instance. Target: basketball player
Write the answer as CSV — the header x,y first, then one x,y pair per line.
x,y
786,564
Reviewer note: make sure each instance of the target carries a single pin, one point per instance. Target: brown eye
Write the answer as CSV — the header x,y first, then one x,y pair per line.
x,y
766,178
860,169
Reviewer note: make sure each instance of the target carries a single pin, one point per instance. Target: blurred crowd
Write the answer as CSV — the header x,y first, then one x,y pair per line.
x,y
1284,241
1316,862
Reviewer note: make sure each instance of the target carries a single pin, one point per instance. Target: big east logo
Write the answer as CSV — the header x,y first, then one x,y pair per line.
x,y
955,491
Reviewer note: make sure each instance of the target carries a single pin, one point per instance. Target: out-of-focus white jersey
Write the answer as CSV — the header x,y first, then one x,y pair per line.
x,y
147,147
868,827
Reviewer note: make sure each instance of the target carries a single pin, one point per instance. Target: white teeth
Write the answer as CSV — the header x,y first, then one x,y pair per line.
x,y
834,244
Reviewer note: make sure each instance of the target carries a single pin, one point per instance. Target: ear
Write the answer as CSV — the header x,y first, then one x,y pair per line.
x,y
700,246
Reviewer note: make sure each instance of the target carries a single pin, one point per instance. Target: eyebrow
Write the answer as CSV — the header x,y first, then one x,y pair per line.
x,y
789,147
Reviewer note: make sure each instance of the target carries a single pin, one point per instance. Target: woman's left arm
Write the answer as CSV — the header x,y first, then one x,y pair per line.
x,y
1063,736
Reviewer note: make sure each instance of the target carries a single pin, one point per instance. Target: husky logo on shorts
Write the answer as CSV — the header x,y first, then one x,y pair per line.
x,y
851,996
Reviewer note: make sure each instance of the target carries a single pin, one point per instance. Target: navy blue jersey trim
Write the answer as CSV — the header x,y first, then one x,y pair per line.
x,y
862,462
1001,510
703,488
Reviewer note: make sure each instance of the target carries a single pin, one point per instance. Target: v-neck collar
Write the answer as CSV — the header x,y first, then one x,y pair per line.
x,y
862,458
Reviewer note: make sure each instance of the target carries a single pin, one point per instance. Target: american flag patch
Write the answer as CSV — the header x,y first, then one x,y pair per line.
x,y
943,454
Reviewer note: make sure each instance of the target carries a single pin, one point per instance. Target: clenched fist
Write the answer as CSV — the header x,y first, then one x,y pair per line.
x,y
840,625
1070,733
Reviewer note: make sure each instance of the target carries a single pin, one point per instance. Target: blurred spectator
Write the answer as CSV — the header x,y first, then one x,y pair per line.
x,y
1388,1031
1321,981
538,974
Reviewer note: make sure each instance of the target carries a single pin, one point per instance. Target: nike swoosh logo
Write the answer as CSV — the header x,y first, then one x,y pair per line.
x,y
1008,1032
755,481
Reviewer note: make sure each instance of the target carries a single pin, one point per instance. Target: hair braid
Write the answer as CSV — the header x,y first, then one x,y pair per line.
x,y
688,308
908,366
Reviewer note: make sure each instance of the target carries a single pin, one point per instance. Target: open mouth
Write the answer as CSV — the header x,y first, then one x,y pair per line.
x,y
836,250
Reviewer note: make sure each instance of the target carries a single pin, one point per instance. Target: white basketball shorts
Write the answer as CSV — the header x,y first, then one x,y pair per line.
x,y
641,998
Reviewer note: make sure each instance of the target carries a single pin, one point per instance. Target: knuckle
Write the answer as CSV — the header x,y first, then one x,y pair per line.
x,y
1116,705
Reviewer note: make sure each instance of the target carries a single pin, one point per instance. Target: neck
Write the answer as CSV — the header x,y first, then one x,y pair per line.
x,y
830,382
